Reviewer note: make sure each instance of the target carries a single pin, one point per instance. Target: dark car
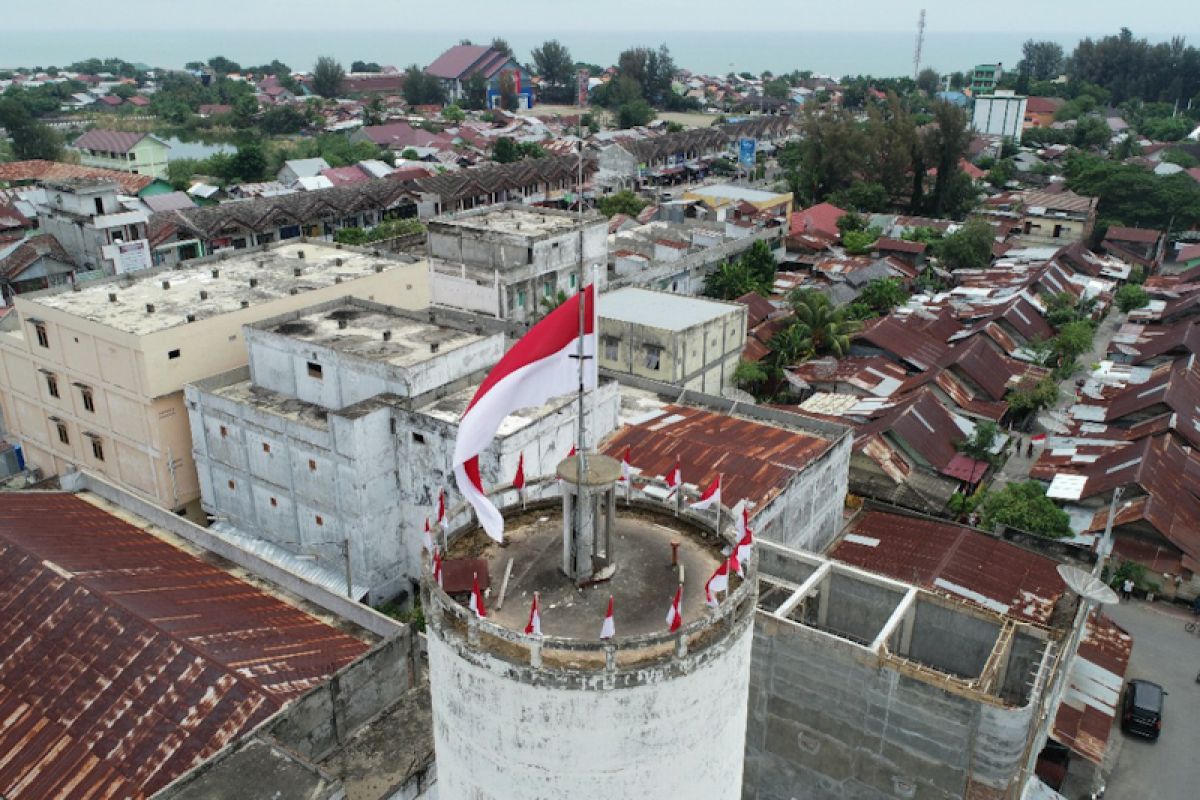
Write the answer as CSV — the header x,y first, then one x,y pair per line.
x,y
1142,710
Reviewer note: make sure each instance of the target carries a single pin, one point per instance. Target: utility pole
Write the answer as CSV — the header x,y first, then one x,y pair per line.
x,y
345,545
920,44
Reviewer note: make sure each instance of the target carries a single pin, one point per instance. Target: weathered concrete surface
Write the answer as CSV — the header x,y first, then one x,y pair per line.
x,y
501,738
256,770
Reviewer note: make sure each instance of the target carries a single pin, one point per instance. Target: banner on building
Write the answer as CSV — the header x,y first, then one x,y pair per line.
x,y
747,152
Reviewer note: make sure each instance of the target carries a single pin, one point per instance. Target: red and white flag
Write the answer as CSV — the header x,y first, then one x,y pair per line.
x,y
542,365
437,567
534,626
519,478
674,479
675,615
710,497
428,536
441,517
626,467
718,582
476,601
573,452
741,551
608,628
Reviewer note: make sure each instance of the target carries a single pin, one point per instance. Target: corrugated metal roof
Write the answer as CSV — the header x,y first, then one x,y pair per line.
x,y
129,660
757,460
924,551
1089,706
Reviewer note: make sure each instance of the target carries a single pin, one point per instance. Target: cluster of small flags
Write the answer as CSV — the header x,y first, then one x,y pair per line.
x,y
717,583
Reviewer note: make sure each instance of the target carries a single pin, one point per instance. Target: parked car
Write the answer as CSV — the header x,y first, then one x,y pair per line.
x,y
1142,709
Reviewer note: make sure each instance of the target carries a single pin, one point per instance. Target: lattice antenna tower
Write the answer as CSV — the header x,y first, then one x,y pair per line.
x,y
920,44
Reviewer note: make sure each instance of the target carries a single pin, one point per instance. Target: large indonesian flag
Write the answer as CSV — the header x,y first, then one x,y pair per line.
x,y
608,628
710,497
540,366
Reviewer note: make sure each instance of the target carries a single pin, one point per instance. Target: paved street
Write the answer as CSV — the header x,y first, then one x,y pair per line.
x,y
1164,653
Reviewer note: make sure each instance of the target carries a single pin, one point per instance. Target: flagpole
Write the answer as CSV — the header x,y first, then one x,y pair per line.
x,y
581,430
720,486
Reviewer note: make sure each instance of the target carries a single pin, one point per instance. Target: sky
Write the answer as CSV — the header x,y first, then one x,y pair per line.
x,y
651,16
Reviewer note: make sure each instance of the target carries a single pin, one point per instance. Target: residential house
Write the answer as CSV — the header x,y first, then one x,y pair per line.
x,y
139,153
985,78
1141,246
455,66
296,168
93,225
1039,111
32,264
1055,218
22,173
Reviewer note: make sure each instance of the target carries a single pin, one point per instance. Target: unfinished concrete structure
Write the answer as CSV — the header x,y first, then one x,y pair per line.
x,y
511,261
649,713
335,439
689,342
90,222
867,687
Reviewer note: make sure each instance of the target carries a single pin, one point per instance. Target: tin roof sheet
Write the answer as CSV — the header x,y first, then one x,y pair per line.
x,y
130,661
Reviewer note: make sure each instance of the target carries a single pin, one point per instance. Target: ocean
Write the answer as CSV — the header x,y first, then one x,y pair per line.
x,y
831,53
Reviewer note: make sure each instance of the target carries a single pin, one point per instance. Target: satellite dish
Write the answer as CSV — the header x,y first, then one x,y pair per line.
x,y
1084,584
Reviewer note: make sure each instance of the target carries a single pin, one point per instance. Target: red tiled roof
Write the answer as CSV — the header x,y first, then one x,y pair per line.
x,y
343,176
1042,105
760,308
1140,235
109,141
821,218
409,174
900,246
39,170
757,460
463,60
130,661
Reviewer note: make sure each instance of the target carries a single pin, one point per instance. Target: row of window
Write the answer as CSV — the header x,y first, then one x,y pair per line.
x,y
85,392
266,446
64,436
318,519
651,353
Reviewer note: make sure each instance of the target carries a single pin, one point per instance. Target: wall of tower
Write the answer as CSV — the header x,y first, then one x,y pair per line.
x,y
504,732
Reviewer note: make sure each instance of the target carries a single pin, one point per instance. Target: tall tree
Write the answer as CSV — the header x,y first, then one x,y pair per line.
x,y
475,92
508,92
501,45
421,88
328,77
817,328
891,135
30,138
947,142
970,247
831,153
555,66
1041,61
927,80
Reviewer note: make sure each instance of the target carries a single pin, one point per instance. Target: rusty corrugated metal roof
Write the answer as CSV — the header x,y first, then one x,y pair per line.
x,y
130,661
1085,717
757,460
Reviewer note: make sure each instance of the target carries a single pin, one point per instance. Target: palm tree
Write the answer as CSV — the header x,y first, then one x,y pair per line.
x,y
733,279
817,329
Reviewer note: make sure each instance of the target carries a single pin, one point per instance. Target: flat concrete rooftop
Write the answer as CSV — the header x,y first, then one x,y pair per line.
x,y
272,271
663,310
451,407
642,586
527,221
374,335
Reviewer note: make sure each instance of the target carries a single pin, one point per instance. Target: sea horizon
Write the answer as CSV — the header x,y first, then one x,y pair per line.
x,y
836,53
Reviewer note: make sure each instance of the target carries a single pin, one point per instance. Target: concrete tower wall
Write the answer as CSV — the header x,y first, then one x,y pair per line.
x,y
513,733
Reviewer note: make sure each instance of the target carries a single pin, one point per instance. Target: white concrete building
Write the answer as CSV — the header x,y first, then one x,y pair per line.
x,y
89,220
1000,114
511,261
341,429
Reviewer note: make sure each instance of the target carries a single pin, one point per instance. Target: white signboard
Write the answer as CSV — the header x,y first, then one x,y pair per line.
x,y
129,256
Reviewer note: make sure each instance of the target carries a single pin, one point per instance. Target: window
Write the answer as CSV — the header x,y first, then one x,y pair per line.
x,y
314,370
62,433
312,465
418,438
572,278
99,205
547,288
653,356
1057,231
97,449
274,503
232,485
40,329
89,401
320,520
173,353
611,345
266,447
224,431
52,385
520,298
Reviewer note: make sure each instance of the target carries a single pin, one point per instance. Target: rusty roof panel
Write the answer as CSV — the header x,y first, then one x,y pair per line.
x,y
130,660
757,460
1085,717
937,555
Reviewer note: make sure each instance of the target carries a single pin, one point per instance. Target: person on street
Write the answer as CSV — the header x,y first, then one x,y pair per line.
x,y
1127,589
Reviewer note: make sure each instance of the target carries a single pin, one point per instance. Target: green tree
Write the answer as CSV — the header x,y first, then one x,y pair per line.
x,y
1024,506
554,65
281,120
505,151
1091,132
761,263
501,45
862,196
365,66
731,280
850,222
883,294
970,247
508,92
928,80
946,143
180,172
1030,396
474,92
817,328
250,163
622,202
453,113
858,243
422,89
244,109
1131,296
1073,340
223,66
328,77
750,376
634,114
30,138
980,443
1041,61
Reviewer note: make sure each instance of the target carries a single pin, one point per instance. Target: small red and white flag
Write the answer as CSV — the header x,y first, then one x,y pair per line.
x,y
476,601
608,628
543,364
626,467
428,536
674,479
519,478
1039,438
441,517
710,497
740,556
718,582
675,615
437,567
573,452
534,626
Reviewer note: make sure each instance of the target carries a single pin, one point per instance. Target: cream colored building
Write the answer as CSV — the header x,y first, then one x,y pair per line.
x,y
95,377
691,342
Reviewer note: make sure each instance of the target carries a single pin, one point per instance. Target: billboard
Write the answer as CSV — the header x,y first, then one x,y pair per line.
x,y
747,150
129,256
